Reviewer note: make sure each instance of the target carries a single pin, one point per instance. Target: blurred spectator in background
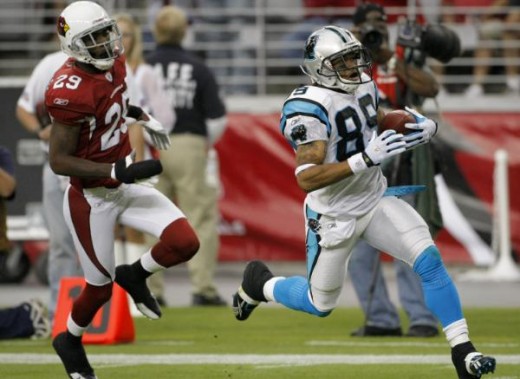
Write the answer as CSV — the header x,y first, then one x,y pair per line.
x,y
235,63
397,10
29,319
26,320
7,191
201,120
402,80
146,90
32,114
511,36
496,30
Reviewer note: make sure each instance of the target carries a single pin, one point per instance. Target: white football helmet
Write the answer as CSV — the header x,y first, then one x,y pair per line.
x,y
88,34
334,58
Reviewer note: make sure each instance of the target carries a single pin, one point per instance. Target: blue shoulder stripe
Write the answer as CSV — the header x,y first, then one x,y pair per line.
x,y
305,107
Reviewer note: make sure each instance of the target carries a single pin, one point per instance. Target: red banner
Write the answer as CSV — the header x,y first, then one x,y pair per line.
x,y
261,204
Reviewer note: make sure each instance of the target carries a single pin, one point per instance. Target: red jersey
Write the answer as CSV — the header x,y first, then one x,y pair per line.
x,y
97,103
390,88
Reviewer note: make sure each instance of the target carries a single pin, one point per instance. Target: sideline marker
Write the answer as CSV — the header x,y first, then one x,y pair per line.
x,y
112,324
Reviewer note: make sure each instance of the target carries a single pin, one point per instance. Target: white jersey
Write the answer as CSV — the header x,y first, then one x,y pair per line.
x,y
346,122
34,91
32,98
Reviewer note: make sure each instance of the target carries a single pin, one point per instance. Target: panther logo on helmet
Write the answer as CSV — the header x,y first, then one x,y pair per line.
x,y
309,48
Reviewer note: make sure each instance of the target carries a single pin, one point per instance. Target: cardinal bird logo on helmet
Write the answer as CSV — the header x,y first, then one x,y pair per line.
x,y
63,27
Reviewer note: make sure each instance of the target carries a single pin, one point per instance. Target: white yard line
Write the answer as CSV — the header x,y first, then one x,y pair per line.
x,y
399,344
245,359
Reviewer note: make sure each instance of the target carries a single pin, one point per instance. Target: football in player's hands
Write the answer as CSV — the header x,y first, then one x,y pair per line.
x,y
396,120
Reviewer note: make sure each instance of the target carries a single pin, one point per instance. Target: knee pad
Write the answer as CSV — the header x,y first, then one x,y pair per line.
x,y
429,266
440,293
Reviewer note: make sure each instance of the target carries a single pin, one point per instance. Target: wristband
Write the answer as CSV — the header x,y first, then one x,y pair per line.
x,y
357,163
134,112
303,167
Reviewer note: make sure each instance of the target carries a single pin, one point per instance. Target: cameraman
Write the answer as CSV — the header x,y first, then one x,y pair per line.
x,y
402,80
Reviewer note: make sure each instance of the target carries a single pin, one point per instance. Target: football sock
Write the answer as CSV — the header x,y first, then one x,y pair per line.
x,y
293,292
440,293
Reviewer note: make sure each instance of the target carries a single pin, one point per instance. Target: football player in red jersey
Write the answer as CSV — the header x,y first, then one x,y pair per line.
x,y
87,100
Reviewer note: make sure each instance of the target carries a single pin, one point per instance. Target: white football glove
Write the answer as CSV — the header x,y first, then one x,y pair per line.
x,y
379,148
424,130
155,133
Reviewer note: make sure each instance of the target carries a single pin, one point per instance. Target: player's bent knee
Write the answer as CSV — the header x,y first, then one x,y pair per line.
x,y
180,237
323,313
321,310
325,301
98,295
428,263
312,309
89,301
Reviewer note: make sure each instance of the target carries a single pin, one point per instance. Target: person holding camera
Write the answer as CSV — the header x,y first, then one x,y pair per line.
x,y
402,80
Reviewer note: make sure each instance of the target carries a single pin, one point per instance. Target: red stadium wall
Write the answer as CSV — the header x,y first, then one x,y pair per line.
x,y
261,205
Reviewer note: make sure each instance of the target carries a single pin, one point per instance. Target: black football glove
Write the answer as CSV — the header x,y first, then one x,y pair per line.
x,y
126,171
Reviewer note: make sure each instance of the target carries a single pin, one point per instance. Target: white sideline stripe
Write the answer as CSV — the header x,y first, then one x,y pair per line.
x,y
400,344
245,359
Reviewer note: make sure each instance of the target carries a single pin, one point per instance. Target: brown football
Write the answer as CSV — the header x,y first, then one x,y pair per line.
x,y
395,120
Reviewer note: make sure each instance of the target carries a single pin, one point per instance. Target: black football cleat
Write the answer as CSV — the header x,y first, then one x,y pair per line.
x,y
73,357
199,300
251,292
469,363
422,331
144,300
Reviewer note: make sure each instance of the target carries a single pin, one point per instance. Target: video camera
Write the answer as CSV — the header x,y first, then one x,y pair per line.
x,y
434,40
371,36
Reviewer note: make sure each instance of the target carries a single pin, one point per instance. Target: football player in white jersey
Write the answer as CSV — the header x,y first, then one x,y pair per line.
x,y
332,125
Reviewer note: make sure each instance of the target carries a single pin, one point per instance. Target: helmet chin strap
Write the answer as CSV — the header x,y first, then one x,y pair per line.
x,y
106,65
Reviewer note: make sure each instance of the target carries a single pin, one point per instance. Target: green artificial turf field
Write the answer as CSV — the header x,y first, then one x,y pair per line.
x,y
275,343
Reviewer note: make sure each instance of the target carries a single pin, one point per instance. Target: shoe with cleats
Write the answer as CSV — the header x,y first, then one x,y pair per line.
x,y
138,290
251,292
39,318
73,357
469,363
